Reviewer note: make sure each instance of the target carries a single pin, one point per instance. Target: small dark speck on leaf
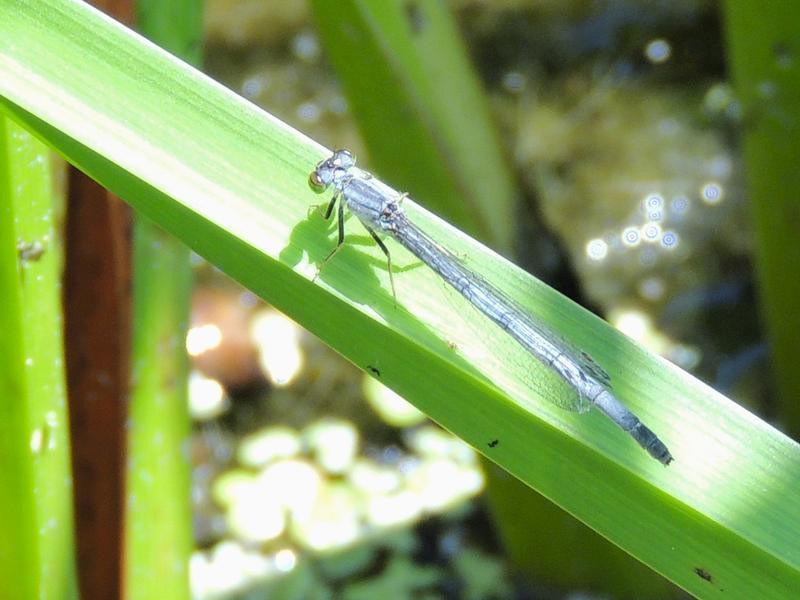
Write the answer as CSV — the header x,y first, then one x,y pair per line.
x,y
493,443
416,19
29,251
783,55
374,370
703,574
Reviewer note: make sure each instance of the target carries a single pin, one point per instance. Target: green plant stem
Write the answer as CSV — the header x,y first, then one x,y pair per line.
x,y
158,536
36,546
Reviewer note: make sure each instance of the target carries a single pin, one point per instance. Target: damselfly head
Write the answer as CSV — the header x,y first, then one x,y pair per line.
x,y
331,170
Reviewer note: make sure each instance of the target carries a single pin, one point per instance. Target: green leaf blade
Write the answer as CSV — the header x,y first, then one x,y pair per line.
x,y
233,187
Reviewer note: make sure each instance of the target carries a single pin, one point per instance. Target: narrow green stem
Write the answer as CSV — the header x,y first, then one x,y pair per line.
x,y
37,544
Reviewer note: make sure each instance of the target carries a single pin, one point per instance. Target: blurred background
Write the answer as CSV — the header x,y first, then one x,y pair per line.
x,y
600,144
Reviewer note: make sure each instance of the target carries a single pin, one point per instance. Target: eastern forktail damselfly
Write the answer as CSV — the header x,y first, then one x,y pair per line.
x,y
378,208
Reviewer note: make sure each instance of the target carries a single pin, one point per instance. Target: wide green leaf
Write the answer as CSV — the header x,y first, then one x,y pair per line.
x,y
230,181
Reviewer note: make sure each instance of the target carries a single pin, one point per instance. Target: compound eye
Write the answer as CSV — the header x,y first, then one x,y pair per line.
x,y
316,183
